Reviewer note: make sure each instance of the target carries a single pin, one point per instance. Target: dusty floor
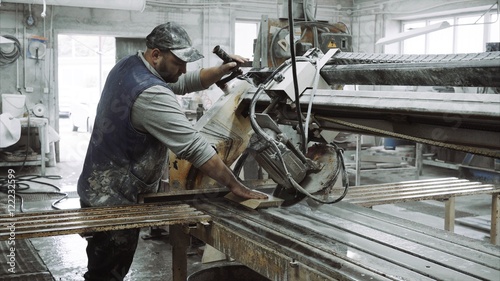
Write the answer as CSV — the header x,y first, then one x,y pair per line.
x,y
65,259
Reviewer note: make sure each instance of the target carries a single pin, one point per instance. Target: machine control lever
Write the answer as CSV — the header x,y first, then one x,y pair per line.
x,y
226,59
222,54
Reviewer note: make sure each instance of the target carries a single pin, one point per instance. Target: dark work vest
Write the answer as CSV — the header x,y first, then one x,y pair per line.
x,y
121,162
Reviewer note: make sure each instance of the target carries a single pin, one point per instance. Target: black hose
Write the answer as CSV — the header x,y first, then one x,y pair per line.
x,y
22,185
294,77
10,57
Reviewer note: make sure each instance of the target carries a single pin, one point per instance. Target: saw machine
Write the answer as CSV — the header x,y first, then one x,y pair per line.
x,y
284,123
284,115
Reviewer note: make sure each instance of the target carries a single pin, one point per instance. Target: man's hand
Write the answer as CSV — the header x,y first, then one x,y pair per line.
x,y
217,170
239,58
229,67
244,192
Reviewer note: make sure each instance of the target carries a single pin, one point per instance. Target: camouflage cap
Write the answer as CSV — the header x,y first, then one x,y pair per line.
x,y
171,36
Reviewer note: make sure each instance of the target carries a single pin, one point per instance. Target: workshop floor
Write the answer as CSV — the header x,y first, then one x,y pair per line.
x,y
65,258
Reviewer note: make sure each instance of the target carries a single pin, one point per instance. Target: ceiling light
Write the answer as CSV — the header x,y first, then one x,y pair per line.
x,y
132,5
413,33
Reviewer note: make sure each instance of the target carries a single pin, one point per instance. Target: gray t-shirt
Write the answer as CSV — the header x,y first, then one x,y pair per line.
x,y
157,112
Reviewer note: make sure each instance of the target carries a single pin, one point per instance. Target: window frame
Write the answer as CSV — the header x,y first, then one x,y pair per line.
x,y
489,19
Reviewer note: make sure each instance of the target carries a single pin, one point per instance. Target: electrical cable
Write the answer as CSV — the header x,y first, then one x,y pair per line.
x,y
294,77
7,58
309,107
258,130
22,184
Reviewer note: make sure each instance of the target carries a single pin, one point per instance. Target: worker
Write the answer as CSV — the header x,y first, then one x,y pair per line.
x,y
138,119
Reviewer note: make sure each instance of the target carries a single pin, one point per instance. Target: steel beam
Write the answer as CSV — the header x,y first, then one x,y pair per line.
x,y
468,120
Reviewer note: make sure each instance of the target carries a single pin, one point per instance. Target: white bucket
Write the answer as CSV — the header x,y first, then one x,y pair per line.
x,y
13,104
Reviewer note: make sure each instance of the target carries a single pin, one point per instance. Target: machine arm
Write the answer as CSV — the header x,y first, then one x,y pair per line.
x,y
459,70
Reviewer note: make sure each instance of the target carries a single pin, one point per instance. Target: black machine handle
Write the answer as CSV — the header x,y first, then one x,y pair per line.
x,y
226,59
222,54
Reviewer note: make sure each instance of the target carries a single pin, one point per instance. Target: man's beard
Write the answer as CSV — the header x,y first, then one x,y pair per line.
x,y
167,76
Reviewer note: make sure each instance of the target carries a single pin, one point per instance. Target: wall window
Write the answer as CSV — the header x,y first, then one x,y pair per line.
x,y
245,33
467,34
415,45
441,41
84,62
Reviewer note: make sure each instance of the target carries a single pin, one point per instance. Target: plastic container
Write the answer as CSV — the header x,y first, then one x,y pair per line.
x,y
13,104
227,273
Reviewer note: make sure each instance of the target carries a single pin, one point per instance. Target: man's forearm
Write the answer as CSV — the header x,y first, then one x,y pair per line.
x,y
217,170
209,76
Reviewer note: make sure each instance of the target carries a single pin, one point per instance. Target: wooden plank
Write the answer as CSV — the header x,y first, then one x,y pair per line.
x,y
429,189
471,189
432,189
77,221
62,218
417,197
108,227
271,201
93,210
424,181
85,222
407,185
57,215
402,185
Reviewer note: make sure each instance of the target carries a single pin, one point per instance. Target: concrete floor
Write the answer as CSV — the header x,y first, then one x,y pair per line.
x,y
65,257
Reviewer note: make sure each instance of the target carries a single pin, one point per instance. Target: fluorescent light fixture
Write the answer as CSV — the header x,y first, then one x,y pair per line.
x,y
413,33
4,40
133,5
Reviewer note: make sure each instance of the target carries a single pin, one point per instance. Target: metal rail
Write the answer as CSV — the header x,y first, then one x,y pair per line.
x,y
340,242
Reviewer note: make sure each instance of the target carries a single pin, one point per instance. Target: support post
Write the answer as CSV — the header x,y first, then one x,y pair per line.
x,y
418,160
358,161
180,242
449,217
495,219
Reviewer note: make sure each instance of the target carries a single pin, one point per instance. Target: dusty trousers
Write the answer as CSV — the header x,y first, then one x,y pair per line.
x,y
110,254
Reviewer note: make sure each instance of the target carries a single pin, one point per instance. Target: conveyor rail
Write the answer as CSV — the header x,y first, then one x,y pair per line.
x,y
460,70
342,241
